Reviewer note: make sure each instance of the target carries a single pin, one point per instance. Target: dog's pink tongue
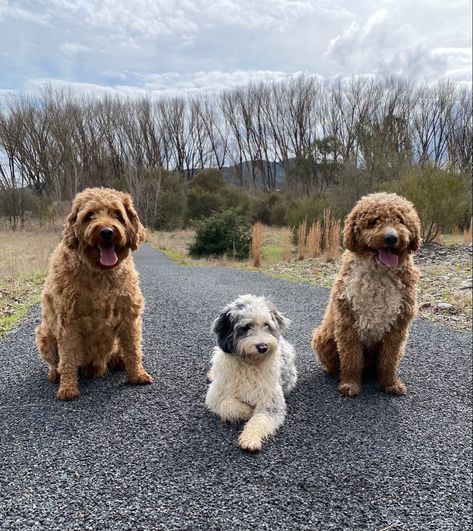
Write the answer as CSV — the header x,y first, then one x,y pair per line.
x,y
108,256
388,258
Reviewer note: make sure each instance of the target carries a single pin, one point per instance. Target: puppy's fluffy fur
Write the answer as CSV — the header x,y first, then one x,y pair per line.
x,y
252,369
92,303
373,300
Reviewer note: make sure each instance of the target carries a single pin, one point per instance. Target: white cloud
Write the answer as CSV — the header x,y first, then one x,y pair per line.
x,y
190,45
381,45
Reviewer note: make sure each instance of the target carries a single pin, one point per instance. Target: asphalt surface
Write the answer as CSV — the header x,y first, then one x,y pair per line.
x,y
123,457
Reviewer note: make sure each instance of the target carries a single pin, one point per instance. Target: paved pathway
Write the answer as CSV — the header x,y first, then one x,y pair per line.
x,y
137,458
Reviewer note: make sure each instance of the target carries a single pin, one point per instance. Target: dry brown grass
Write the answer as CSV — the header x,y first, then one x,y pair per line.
x,y
257,236
467,234
332,231
286,241
301,240
23,266
23,252
314,240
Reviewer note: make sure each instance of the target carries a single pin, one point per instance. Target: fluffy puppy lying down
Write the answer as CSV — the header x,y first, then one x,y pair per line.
x,y
92,304
252,369
373,300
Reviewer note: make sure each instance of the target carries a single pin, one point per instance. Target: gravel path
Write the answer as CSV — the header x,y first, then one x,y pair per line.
x,y
122,457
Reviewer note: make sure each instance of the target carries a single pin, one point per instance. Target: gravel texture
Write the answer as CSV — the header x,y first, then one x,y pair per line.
x,y
123,457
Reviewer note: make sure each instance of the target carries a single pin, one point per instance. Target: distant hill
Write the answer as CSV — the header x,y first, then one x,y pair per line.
x,y
231,174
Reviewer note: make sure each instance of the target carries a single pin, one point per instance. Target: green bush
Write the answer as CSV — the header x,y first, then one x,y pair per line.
x,y
201,204
309,208
441,197
210,180
272,209
226,232
235,198
171,204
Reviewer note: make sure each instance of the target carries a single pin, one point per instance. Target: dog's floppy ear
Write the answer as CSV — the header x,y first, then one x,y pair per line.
x,y
137,233
415,228
349,232
69,235
282,321
223,327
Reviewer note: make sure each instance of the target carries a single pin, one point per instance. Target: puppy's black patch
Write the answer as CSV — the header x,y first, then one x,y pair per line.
x,y
224,327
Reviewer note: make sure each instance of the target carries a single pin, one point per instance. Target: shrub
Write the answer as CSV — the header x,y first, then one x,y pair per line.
x,y
308,209
210,180
234,198
171,205
441,197
201,204
271,209
226,232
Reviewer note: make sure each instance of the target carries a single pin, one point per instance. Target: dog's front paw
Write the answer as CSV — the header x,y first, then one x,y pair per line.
x,y
396,388
67,393
349,388
249,443
141,378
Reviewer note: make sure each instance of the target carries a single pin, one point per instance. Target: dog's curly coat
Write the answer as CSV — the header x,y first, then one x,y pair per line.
x,y
252,369
373,300
91,302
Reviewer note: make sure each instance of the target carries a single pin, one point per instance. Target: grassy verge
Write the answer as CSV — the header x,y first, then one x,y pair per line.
x,y
23,266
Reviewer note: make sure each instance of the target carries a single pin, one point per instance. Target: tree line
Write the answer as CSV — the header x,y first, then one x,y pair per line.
x,y
319,133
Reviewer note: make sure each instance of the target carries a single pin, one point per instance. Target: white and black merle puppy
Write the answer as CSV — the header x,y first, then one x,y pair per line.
x,y
252,369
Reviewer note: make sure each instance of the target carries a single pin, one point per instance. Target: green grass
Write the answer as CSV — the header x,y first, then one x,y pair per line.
x,y
18,297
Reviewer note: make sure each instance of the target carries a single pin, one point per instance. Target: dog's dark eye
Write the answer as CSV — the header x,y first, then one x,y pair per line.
x,y
267,325
373,222
246,328
118,215
89,216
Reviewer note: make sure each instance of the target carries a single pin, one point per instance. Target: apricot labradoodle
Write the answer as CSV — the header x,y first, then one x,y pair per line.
x,y
373,300
92,303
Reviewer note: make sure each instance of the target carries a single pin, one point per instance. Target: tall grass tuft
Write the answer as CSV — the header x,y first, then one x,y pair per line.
x,y
332,249
331,236
286,244
257,243
313,243
467,234
301,240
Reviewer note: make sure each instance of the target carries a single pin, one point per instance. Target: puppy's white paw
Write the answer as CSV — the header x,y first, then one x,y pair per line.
x,y
249,442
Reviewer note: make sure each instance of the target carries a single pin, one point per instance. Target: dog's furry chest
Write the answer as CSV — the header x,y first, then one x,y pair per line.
x,y
375,296
250,383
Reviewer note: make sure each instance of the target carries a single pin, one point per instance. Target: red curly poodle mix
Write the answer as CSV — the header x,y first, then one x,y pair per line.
x,y
373,300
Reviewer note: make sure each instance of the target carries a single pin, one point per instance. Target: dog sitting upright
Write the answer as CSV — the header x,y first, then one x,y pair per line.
x,y
373,300
92,304
252,369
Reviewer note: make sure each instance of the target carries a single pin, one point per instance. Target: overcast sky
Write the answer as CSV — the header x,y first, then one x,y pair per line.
x,y
170,46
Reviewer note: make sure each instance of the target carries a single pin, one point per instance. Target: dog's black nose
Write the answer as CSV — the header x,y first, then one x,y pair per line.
x,y
390,239
106,234
261,348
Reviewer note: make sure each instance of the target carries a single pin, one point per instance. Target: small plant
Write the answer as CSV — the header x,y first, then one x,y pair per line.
x,y
313,242
287,245
301,240
257,243
226,232
332,239
467,234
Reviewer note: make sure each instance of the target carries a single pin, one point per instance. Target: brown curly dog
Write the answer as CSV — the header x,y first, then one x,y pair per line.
x,y
92,303
373,300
